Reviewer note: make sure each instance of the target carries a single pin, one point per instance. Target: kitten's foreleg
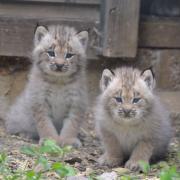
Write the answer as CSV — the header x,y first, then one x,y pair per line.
x,y
142,152
44,124
70,130
113,155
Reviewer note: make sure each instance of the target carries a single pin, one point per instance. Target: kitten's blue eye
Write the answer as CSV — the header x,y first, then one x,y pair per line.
x,y
118,99
69,55
51,53
136,100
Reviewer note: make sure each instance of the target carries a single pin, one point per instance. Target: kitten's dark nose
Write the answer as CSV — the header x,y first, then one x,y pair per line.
x,y
59,67
127,112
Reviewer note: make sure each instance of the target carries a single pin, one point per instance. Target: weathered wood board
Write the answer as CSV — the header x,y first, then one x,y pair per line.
x,y
17,25
160,33
89,2
16,34
120,22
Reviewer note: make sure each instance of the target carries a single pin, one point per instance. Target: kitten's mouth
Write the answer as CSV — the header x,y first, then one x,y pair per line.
x,y
59,68
127,118
127,114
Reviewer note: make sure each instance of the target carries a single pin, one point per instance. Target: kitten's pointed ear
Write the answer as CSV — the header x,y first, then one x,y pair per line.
x,y
106,78
83,37
148,76
40,32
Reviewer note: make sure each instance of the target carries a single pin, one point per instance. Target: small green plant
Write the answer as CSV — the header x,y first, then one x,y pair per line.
x,y
93,176
126,177
145,167
169,174
48,147
42,163
32,175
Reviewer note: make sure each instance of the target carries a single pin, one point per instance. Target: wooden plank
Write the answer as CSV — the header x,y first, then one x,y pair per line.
x,y
44,10
165,64
120,27
85,2
17,34
160,33
16,37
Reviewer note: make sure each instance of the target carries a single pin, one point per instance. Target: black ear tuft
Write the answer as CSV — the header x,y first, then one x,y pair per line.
x,y
112,72
83,38
107,77
40,32
37,25
151,69
148,76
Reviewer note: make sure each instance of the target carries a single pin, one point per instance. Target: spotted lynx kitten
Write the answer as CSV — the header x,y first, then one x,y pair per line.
x,y
54,100
131,122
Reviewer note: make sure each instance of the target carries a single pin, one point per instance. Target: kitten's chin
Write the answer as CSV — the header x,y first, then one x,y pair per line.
x,y
58,73
63,72
55,73
130,121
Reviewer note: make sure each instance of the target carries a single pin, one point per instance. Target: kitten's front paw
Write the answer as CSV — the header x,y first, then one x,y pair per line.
x,y
109,161
133,165
25,135
75,142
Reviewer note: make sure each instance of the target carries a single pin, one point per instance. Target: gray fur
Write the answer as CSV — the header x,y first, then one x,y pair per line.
x,y
53,102
145,133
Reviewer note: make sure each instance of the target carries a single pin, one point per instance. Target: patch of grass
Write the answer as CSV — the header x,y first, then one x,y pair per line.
x,y
42,164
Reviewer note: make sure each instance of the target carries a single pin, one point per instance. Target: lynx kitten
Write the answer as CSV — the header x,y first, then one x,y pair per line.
x,y
54,100
131,122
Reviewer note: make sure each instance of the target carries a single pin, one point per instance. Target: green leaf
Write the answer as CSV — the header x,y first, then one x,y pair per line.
x,y
126,178
49,142
31,175
3,157
56,165
67,149
169,174
50,147
13,177
42,160
145,167
93,176
31,151
59,169
63,170
163,165
71,171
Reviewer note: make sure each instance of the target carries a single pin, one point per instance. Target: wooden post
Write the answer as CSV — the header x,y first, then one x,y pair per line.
x,y
119,25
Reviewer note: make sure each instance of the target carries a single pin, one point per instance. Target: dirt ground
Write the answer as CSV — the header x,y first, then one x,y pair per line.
x,y
83,159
